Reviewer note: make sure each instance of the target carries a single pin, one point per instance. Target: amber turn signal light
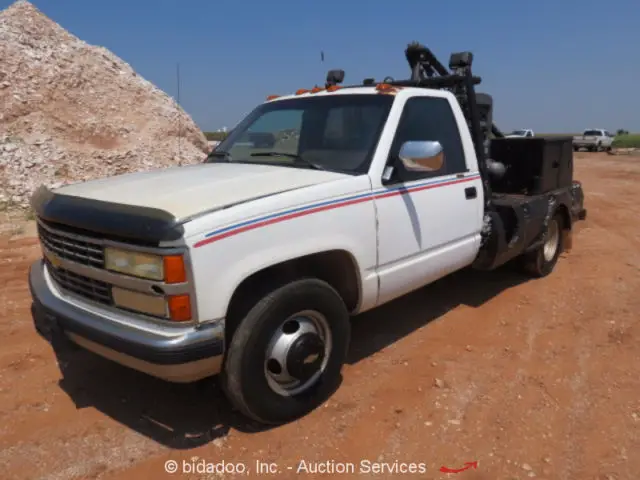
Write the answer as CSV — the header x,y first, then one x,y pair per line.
x,y
179,308
174,269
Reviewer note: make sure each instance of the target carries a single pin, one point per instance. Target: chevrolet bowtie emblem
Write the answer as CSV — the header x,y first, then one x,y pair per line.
x,y
311,358
54,260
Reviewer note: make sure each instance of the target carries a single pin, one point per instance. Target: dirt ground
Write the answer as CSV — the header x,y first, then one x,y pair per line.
x,y
528,378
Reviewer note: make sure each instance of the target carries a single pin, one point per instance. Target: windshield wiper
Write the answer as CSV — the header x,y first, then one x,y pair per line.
x,y
218,154
289,155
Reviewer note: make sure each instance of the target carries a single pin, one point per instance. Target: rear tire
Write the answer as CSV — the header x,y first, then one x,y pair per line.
x,y
542,261
285,357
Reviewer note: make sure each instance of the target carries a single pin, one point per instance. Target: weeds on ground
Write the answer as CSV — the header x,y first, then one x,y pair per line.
x,y
631,140
13,218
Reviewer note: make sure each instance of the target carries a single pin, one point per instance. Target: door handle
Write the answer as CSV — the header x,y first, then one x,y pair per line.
x,y
470,192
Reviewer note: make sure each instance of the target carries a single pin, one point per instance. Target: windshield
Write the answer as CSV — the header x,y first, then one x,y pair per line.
x,y
521,133
592,133
327,132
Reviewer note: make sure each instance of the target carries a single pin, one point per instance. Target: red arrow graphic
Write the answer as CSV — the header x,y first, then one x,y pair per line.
x,y
467,466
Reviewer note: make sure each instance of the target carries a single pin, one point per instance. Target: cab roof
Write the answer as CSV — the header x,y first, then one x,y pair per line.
x,y
355,90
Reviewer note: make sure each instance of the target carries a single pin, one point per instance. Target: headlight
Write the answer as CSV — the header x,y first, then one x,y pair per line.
x,y
137,264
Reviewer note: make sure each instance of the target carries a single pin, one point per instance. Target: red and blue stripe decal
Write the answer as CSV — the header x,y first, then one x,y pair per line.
x,y
264,221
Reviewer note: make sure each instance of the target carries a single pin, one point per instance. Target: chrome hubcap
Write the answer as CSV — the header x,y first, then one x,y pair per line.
x,y
298,353
551,244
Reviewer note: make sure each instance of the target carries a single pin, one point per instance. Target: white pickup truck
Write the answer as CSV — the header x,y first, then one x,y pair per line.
x,y
525,132
250,264
594,140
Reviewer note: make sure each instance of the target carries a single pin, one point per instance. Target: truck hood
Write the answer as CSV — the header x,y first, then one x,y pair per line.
x,y
189,190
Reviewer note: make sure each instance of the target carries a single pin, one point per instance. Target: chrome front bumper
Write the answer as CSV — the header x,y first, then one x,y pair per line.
x,y
175,354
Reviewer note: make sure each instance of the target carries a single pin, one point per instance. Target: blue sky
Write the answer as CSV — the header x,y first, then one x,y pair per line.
x,y
552,66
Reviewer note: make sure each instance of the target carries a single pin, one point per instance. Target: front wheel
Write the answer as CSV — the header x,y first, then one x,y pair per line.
x,y
542,261
286,355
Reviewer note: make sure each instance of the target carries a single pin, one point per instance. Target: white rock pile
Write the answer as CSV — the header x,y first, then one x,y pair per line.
x,y
71,112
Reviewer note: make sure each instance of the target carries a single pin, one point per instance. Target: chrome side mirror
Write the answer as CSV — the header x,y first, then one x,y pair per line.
x,y
422,156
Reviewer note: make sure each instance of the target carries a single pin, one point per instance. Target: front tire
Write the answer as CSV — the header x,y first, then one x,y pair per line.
x,y
286,355
542,261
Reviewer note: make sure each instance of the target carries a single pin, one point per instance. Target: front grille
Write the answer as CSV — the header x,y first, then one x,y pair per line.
x,y
86,287
72,248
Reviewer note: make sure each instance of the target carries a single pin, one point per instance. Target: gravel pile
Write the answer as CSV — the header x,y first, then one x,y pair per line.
x,y
72,112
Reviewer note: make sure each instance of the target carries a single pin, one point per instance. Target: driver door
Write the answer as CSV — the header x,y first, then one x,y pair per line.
x,y
429,222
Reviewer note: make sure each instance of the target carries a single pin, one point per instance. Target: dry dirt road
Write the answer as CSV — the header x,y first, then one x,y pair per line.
x,y
531,379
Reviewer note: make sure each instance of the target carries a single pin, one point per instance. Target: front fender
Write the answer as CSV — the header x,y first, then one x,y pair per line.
x,y
213,304
220,267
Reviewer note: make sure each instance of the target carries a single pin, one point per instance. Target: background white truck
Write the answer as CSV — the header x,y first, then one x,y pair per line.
x,y
250,264
594,140
524,132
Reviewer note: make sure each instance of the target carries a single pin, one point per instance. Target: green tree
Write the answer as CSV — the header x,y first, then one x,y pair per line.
x,y
215,136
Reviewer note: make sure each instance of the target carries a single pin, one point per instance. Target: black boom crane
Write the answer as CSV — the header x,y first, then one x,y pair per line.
x,y
428,72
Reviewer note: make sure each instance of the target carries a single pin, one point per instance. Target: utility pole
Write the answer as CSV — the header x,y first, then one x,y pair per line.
x,y
179,114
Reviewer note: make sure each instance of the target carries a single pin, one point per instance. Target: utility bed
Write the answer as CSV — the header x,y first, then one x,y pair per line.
x,y
523,222
537,180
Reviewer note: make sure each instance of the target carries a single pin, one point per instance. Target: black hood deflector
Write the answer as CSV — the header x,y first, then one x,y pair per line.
x,y
131,223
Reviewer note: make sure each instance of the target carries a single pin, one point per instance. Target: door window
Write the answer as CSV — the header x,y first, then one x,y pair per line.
x,y
429,118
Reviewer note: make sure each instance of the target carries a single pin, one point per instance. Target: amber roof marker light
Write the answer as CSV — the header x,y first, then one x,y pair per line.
x,y
386,88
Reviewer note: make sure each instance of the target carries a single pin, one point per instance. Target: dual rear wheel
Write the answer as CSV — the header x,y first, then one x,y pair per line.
x,y
542,261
